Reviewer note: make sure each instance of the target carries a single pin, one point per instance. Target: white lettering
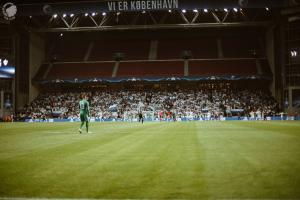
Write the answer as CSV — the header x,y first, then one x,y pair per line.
x,y
138,5
170,4
153,4
111,6
175,4
148,5
165,5
132,5
159,4
125,5
143,5
120,7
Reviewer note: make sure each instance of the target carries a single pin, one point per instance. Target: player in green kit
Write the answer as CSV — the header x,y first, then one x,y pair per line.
x,y
84,113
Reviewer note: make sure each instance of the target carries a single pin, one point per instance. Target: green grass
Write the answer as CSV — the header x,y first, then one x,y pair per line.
x,y
182,160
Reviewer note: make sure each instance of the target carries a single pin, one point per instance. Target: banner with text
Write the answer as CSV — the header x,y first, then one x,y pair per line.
x,y
142,5
139,5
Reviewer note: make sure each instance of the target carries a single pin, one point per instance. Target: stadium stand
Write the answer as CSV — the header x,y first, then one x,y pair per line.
x,y
265,67
69,50
167,49
151,68
236,47
80,70
200,48
213,102
42,71
161,58
222,67
132,49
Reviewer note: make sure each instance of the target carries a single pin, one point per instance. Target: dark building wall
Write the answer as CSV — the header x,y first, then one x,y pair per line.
x,y
30,54
36,57
22,70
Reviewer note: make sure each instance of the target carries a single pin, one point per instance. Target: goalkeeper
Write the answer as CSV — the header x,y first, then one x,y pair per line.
x,y
84,113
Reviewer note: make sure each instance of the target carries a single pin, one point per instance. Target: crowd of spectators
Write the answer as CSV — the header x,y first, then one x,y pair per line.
x,y
104,104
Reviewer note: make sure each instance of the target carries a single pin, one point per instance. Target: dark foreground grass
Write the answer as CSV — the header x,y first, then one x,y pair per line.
x,y
192,160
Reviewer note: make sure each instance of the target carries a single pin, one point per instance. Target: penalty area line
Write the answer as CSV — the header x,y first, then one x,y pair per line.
x,y
42,198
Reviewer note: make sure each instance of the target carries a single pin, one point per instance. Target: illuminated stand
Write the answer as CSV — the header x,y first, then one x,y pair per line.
x,y
5,104
1,103
6,93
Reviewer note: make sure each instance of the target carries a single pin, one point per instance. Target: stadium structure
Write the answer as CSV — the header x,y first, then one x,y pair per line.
x,y
188,99
144,44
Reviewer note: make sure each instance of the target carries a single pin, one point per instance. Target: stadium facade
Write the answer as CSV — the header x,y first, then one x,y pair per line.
x,y
61,45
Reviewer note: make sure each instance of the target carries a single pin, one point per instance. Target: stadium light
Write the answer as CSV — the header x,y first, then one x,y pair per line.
x,y
143,12
294,53
183,11
205,10
5,62
93,14
61,34
64,15
55,16
195,10
104,13
169,11
225,9
118,13
235,9
267,9
86,14
71,15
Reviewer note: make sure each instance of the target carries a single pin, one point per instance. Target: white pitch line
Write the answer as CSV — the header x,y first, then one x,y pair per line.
x,y
36,198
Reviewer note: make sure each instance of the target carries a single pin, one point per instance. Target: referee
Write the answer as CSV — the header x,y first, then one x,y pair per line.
x,y
141,118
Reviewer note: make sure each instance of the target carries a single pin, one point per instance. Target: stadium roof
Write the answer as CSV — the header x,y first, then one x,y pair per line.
x,y
97,15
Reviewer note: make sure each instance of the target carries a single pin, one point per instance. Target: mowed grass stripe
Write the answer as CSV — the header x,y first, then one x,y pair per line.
x,y
191,160
40,162
144,171
245,161
52,135
143,162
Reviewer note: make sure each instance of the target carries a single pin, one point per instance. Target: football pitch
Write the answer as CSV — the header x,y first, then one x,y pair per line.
x,y
154,160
